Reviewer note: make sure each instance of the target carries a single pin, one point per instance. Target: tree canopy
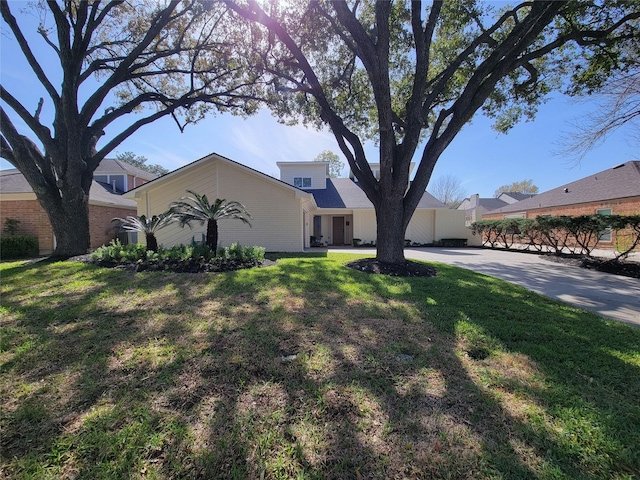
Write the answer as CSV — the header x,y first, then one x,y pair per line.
x,y
523,186
410,75
107,69
335,164
141,162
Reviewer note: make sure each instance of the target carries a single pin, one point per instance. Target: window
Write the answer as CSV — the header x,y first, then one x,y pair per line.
x,y
605,235
302,182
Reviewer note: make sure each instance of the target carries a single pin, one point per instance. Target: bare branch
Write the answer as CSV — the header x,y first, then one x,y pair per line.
x,y
8,17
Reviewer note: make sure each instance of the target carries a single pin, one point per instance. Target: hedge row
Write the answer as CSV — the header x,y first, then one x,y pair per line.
x,y
18,247
563,234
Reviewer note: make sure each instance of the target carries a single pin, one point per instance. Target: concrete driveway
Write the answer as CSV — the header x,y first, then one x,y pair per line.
x,y
611,296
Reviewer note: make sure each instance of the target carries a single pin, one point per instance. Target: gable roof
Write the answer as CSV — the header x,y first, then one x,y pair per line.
x,y
212,156
12,181
620,181
113,165
518,195
345,193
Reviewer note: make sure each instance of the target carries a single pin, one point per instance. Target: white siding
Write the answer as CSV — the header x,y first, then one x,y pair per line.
x,y
450,224
421,226
277,212
316,171
364,225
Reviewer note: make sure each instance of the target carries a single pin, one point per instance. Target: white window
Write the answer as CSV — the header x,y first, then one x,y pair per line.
x,y
605,235
302,182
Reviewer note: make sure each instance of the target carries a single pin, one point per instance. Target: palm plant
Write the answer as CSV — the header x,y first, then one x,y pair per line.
x,y
197,208
148,226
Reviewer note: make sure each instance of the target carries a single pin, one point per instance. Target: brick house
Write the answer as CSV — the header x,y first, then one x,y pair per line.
x,y
615,191
17,201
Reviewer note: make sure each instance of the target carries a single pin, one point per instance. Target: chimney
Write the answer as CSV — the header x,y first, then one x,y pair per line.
x,y
474,200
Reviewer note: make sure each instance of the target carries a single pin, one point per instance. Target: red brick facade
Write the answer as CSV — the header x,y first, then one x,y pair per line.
x,y
34,222
620,206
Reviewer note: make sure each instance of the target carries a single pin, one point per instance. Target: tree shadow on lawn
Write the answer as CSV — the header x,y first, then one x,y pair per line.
x,y
183,376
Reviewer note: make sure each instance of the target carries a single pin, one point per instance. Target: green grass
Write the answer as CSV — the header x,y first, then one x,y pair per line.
x,y
110,374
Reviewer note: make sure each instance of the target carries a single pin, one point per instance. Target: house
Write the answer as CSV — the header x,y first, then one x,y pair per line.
x,y
615,191
475,206
111,179
303,203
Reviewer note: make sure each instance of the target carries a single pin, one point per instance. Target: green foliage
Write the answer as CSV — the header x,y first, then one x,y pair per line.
x,y
18,247
197,208
109,375
148,226
237,252
136,252
335,164
524,186
141,162
11,227
562,234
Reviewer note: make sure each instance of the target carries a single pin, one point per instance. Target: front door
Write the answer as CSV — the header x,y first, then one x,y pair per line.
x,y
338,230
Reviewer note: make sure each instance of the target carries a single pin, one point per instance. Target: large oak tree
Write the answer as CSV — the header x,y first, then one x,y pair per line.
x,y
118,65
412,74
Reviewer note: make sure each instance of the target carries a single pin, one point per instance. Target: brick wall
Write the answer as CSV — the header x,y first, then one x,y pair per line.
x,y
35,222
624,206
100,223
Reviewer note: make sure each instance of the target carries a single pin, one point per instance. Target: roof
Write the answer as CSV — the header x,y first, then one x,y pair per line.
x,y
12,181
212,156
491,203
618,182
519,195
113,165
345,193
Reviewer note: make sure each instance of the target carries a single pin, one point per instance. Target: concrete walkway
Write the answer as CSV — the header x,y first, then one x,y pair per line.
x,y
611,296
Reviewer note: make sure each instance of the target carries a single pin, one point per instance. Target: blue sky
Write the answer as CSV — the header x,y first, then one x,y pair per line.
x,y
480,157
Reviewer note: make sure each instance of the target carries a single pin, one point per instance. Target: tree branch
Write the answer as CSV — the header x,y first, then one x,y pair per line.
x,y
26,51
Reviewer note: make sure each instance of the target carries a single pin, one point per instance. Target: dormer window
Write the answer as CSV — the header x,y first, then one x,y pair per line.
x,y
302,182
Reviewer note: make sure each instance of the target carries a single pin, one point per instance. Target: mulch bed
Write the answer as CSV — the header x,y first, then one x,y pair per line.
x,y
179,266
625,269
406,269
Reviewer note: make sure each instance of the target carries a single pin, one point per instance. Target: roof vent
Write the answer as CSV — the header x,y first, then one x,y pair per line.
x,y
566,190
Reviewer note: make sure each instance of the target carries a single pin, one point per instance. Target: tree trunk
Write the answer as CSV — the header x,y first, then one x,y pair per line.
x,y
212,235
152,242
391,228
69,218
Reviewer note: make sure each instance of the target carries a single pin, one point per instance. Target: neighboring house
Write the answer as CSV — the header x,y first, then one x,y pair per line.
x,y
475,207
615,191
121,176
17,201
288,211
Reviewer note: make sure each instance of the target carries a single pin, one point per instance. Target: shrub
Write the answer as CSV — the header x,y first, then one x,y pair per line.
x,y
115,252
11,227
18,247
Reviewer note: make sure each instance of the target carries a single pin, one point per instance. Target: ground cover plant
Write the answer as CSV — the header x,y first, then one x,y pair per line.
x,y
179,258
308,369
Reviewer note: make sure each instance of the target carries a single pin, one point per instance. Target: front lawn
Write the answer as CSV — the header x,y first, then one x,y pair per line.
x,y
308,369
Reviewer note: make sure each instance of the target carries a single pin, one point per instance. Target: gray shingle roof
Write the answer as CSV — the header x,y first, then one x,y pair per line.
x,y
519,195
12,181
345,193
618,182
113,165
491,203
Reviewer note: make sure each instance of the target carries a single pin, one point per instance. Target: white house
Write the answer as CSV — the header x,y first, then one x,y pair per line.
x,y
288,211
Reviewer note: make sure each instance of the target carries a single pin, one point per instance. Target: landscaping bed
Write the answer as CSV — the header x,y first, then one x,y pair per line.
x,y
606,265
